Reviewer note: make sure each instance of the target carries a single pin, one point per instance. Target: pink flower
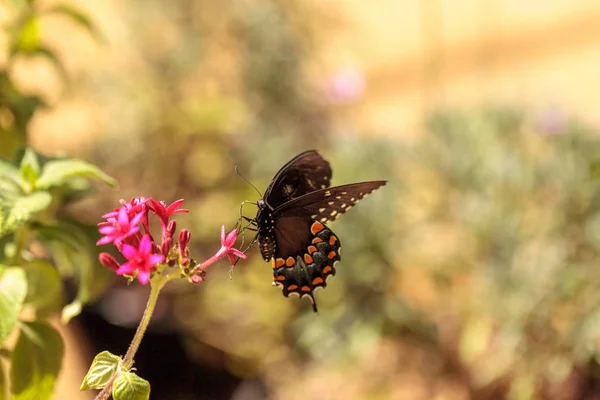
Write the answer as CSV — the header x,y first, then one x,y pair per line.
x,y
140,260
163,211
227,243
116,230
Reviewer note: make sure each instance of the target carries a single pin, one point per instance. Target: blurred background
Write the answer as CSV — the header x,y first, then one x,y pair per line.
x,y
474,274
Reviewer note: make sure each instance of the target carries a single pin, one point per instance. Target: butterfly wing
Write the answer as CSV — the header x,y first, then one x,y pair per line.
x,y
304,250
327,204
303,174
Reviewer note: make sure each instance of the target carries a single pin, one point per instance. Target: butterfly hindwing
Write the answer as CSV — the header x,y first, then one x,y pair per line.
x,y
310,267
303,174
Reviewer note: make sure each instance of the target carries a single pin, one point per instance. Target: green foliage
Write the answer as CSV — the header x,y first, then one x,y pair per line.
x,y
29,213
13,289
129,386
513,214
35,362
101,371
24,209
58,172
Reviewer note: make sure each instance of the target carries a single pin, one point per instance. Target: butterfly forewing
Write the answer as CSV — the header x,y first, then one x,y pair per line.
x,y
305,173
327,204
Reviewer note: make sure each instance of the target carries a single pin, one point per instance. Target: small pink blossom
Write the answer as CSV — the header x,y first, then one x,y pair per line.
x,y
116,230
227,242
163,211
140,260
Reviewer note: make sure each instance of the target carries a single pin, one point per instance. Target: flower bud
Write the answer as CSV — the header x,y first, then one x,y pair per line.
x,y
170,229
108,261
184,240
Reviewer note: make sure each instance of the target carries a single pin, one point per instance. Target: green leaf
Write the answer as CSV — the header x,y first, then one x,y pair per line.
x,y
13,289
101,371
73,249
27,37
70,311
25,207
30,167
44,287
78,17
8,169
57,172
35,362
129,386
10,181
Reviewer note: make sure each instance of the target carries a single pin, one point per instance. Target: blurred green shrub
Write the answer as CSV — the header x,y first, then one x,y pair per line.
x,y
43,253
502,212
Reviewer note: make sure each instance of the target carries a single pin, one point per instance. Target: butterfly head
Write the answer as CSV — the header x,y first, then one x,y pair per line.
x,y
261,204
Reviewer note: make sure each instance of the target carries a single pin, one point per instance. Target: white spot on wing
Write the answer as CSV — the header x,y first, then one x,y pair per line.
x,y
324,219
343,205
321,209
333,213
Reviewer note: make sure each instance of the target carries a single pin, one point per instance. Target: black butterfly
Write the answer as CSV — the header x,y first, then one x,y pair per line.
x,y
291,221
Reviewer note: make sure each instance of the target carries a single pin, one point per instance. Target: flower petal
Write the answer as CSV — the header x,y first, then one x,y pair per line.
x,y
129,251
107,230
143,276
155,259
136,219
173,207
123,218
126,268
223,235
231,238
145,246
105,240
238,253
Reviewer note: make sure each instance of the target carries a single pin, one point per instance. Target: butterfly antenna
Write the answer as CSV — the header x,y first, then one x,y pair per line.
x,y
237,171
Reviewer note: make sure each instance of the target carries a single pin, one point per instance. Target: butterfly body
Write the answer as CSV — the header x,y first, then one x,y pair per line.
x,y
291,218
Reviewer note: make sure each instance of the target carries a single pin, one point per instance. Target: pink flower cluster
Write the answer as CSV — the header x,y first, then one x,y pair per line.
x,y
128,228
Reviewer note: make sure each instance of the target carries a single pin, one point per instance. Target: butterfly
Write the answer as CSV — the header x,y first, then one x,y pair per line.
x,y
291,218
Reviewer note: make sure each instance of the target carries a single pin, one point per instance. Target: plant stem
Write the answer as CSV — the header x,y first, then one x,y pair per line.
x,y
156,285
141,329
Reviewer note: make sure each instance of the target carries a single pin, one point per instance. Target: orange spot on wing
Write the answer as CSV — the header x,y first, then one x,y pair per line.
x,y
308,259
305,289
273,264
291,288
312,249
279,262
317,240
281,278
327,269
289,262
331,254
317,281
332,239
316,227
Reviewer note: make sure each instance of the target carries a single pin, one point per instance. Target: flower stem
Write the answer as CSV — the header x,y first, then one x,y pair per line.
x,y
156,285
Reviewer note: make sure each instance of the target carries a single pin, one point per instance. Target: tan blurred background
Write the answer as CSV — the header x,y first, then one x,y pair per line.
x,y
471,275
